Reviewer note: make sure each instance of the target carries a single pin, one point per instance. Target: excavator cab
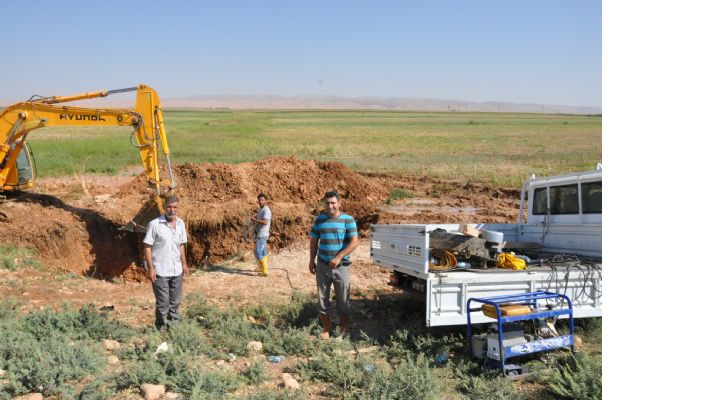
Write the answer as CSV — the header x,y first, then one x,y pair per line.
x,y
23,175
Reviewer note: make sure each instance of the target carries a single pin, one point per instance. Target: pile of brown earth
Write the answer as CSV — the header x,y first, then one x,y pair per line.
x,y
75,228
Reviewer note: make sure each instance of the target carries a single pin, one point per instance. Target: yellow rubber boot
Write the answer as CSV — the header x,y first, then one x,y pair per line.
x,y
264,269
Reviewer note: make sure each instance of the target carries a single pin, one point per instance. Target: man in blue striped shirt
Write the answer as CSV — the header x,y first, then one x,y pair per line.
x,y
333,238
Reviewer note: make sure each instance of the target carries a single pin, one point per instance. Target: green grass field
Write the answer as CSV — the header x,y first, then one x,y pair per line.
x,y
497,148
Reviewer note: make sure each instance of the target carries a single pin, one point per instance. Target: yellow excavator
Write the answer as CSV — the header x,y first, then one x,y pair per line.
x,y
17,171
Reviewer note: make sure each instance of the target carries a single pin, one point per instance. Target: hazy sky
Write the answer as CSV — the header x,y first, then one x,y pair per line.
x,y
546,52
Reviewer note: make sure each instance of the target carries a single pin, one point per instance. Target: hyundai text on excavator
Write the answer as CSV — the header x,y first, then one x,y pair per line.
x,y
17,172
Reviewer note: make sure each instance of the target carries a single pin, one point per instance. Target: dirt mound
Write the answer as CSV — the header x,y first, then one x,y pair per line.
x,y
282,179
218,200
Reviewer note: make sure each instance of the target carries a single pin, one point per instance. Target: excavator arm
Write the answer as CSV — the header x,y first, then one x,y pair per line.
x,y
18,120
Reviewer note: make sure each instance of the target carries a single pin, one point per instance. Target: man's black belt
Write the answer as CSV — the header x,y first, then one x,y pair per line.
x,y
343,263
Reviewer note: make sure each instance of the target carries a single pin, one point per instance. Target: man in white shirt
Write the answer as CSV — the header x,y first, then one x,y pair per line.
x,y
164,247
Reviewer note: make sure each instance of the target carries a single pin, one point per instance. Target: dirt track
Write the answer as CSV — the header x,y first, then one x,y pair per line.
x,y
72,222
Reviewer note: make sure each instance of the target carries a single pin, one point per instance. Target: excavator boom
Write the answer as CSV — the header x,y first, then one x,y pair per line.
x,y
18,120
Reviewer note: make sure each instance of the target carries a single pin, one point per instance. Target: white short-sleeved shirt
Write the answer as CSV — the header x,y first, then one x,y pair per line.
x,y
166,243
263,230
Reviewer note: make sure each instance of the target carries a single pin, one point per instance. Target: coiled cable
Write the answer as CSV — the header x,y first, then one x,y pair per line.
x,y
441,260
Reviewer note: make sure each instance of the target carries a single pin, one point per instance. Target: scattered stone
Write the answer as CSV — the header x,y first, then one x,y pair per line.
x,y
31,396
162,348
578,343
171,396
2,372
110,344
113,360
289,382
221,363
102,198
25,293
152,392
254,347
232,357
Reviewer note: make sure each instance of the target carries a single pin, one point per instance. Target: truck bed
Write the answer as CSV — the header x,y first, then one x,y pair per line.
x,y
405,249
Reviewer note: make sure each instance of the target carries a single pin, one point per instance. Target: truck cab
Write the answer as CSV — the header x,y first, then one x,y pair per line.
x,y
565,199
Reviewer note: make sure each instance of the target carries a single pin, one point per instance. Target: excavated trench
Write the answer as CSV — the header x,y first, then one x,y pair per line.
x,y
76,230
216,202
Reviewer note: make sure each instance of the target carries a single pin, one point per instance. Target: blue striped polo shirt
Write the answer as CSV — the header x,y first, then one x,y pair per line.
x,y
334,235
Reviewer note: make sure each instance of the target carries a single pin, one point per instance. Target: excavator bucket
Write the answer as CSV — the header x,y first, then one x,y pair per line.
x,y
150,210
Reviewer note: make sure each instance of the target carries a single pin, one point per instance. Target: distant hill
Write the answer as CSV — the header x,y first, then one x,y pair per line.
x,y
269,102
365,103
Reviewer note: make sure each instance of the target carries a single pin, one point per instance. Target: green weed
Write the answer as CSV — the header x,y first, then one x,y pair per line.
x,y
476,383
103,388
189,338
180,371
398,194
283,328
44,360
85,323
590,329
579,377
440,189
271,394
255,373
405,342
364,378
13,258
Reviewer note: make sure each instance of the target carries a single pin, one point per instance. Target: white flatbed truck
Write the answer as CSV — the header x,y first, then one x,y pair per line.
x,y
560,221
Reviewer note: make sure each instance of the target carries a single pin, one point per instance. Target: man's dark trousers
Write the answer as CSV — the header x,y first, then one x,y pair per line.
x,y
168,291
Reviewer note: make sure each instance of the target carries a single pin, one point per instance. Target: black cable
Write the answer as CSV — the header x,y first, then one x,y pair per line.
x,y
593,268
585,276
588,270
287,276
36,97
